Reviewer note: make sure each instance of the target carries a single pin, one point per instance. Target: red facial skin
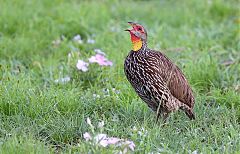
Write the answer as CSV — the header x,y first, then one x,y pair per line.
x,y
134,38
135,29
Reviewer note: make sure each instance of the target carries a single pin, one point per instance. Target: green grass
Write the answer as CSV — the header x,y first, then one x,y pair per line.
x,y
39,116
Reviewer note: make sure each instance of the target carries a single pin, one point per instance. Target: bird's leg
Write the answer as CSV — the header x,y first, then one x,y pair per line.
x,y
165,116
159,110
158,115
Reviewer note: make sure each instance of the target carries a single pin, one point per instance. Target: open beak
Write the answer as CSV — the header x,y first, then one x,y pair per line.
x,y
132,24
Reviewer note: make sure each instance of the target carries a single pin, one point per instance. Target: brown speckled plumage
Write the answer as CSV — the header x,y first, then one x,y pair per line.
x,y
158,81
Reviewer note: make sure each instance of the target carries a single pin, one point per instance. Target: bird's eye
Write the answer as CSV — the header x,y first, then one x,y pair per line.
x,y
139,28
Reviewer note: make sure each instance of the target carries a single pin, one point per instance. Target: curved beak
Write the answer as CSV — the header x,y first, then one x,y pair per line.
x,y
132,24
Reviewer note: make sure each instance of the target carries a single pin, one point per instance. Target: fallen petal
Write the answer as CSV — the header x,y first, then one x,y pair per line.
x,y
87,136
113,140
99,51
90,41
195,152
109,63
100,137
77,37
125,150
84,69
104,143
92,59
130,144
81,65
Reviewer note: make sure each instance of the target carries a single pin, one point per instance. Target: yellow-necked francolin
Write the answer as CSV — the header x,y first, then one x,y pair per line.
x,y
155,78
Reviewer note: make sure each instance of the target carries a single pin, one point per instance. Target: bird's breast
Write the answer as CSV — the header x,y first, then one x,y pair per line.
x,y
139,70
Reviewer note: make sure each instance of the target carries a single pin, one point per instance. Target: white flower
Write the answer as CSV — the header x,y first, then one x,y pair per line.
x,y
103,140
8,134
131,145
63,80
99,51
101,124
96,96
100,137
109,140
116,91
78,39
100,59
103,143
81,65
134,128
90,41
87,136
69,55
89,122
143,132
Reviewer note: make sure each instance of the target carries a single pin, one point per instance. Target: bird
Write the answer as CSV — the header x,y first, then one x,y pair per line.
x,y
156,79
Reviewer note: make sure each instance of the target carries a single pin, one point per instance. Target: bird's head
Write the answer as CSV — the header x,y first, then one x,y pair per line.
x,y
138,35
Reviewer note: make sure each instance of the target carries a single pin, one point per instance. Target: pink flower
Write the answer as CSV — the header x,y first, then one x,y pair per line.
x,y
100,137
81,65
107,141
87,136
127,143
103,143
113,140
130,144
100,59
103,140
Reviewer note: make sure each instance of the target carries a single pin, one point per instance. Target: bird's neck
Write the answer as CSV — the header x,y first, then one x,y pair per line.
x,y
139,46
137,43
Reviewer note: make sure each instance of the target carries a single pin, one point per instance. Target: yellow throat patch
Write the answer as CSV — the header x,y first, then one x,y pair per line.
x,y
136,45
136,42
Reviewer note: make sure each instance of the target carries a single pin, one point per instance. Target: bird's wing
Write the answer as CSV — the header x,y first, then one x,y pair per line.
x,y
175,80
